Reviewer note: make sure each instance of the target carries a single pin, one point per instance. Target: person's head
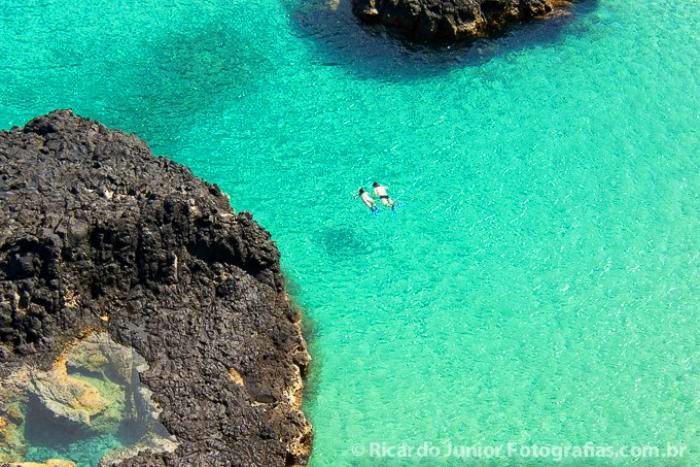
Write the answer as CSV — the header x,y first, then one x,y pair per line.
x,y
375,184
360,191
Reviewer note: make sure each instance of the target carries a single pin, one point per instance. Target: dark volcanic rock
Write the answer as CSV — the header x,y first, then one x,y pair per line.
x,y
452,20
97,234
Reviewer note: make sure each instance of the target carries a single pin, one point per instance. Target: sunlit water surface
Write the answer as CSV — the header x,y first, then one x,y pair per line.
x,y
539,282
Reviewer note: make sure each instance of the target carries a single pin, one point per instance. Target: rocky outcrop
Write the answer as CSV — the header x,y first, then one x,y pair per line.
x,y
97,235
453,20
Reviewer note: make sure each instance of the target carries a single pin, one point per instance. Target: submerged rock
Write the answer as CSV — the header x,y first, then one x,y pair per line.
x,y
453,20
98,235
92,399
49,463
94,396
67,398
12,445
151,443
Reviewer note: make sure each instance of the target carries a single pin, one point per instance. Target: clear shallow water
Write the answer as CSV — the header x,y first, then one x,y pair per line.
x,y
539,284
89,403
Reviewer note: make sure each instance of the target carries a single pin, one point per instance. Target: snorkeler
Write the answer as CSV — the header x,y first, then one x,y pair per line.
x,y
368,200
380,190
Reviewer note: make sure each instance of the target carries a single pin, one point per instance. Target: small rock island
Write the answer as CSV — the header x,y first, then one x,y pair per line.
x,y
453,20
131,292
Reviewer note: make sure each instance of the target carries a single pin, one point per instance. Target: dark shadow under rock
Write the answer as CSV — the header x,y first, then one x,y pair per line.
x,y
375,51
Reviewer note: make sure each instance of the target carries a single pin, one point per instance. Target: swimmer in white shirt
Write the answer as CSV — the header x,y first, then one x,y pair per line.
x,y
381,191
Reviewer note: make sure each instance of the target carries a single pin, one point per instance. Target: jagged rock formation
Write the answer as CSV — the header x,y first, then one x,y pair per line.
x,y
96,234
452,20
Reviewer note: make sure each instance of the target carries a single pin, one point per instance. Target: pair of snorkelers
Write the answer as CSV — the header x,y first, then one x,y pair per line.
x,y
379,190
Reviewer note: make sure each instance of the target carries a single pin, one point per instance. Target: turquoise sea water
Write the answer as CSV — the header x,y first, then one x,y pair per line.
x,y
539,283
87,452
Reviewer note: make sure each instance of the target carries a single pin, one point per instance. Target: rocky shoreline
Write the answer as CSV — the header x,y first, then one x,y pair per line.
x,y
98,236
454,20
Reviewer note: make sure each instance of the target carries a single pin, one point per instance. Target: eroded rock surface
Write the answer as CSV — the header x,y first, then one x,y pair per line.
x,y
98,235
453,20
